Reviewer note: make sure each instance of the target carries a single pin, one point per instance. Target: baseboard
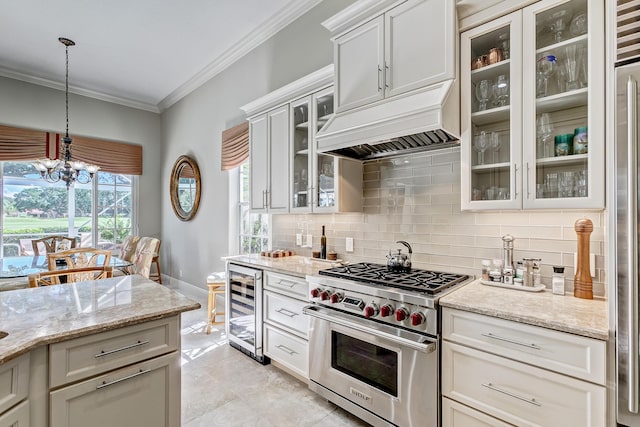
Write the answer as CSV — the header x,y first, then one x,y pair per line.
x,y
183,287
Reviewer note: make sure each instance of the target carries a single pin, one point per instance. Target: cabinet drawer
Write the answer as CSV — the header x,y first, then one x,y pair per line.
x,y
14,381
289,285
16,417
286,312
80,358
287,349
517,393
455,414
569,354
143,394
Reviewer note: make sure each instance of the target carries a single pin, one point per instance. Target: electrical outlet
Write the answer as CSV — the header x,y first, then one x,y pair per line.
x,y
180,274
349,244
309,242
299,239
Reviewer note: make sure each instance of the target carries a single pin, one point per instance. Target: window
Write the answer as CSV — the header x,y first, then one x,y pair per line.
x,y
100,211
253,228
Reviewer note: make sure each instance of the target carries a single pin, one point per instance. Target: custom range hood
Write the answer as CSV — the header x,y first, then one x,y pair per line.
x,y
426,120
408,50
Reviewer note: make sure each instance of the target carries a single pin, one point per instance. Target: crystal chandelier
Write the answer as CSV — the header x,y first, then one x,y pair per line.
x,y
67,170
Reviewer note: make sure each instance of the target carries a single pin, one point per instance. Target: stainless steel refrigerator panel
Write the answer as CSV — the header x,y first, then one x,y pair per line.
x,y
627,361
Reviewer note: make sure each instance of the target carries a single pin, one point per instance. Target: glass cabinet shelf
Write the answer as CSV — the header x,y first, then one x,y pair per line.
x,y
562,101
491,167
563,160
491,115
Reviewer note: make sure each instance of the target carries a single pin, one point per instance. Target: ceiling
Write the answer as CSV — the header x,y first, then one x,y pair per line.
x,y
146,54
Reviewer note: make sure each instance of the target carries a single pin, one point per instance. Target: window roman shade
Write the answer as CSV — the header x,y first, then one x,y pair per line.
x,y
18,144
111,156
235,146
22,144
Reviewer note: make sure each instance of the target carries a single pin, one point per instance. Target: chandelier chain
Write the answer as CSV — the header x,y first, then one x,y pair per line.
x,y
66,89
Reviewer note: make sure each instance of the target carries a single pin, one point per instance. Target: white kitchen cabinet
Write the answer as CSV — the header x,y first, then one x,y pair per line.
x,y
285,325
17,416
456,415
287,174
14,388
521,374
320,182
143,394
508,158
124,377
269,168
385,48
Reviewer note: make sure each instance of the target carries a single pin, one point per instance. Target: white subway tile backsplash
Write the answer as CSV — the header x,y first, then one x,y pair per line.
x,y
417,198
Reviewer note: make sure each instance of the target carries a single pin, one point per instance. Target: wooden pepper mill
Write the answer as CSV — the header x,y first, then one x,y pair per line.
x,y
582,283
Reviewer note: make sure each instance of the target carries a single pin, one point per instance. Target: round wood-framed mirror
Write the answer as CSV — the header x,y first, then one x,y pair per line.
x,y
185,188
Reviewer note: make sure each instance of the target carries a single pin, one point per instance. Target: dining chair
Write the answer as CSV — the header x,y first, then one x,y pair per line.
x,y
156,274
146,249
52,244
80,257
54,277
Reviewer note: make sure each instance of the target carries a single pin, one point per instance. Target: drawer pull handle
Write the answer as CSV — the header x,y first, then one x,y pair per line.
x,y
286,312
106,353
286,349
107,384
287,283
524,344
508,393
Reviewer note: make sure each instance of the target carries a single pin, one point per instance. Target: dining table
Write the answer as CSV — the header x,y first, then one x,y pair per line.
x,y
22,266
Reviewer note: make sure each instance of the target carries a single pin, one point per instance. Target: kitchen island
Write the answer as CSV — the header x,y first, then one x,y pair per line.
x,y
96,353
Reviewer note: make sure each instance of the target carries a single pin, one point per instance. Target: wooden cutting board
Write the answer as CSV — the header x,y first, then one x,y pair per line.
x,y
279,253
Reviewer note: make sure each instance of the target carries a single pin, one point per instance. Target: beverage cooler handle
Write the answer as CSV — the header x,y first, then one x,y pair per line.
x,y
632,244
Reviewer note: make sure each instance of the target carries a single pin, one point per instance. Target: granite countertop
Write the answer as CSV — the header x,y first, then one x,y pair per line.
x,y
564,313
45,315
293,265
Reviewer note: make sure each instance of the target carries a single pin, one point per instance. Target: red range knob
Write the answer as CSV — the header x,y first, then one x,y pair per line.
x,y
386,310
401,314
315,293
417,319
370,311
335,298
324,295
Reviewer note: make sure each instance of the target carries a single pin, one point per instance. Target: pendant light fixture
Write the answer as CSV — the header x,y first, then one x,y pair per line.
x,y
67,170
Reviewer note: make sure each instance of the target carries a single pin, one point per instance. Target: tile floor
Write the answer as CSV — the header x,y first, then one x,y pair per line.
x,y
223,387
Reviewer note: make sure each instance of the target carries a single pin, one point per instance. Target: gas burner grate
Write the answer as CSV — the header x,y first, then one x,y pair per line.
x,y
426,281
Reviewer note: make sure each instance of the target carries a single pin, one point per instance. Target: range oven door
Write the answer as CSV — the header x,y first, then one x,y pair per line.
x,y
380,373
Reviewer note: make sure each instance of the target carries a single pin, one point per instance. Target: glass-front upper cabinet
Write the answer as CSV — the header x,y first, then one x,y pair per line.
x,y
563,114
532,87
301,117
491,86
325,167
320,182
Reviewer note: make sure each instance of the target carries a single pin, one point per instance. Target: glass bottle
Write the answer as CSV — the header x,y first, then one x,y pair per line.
x,y
323,245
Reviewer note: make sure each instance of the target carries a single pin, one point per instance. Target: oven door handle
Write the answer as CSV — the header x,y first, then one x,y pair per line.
x,y
399,336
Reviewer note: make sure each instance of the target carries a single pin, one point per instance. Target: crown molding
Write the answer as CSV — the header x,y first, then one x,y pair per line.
x,y
288,14
5,72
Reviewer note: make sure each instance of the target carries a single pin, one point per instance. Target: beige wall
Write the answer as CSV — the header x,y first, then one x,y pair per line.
x,y
417,198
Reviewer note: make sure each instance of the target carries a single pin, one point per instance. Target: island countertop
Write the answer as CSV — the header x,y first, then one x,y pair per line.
x,y
38,316
560,312
293,265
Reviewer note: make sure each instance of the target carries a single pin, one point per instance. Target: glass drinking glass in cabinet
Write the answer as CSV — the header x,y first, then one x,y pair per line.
x,y
571,63
545,146
503,42
483,93
481,143
578,24
545,67
496,144
558,24
501,91
302,113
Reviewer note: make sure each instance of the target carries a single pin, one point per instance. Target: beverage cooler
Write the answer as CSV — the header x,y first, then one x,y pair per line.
x,y
244,310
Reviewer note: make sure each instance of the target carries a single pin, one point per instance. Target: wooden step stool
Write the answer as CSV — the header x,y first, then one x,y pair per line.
x,y
216,283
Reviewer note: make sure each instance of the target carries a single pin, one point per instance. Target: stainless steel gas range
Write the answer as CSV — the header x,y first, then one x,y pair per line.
x,y
374,341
